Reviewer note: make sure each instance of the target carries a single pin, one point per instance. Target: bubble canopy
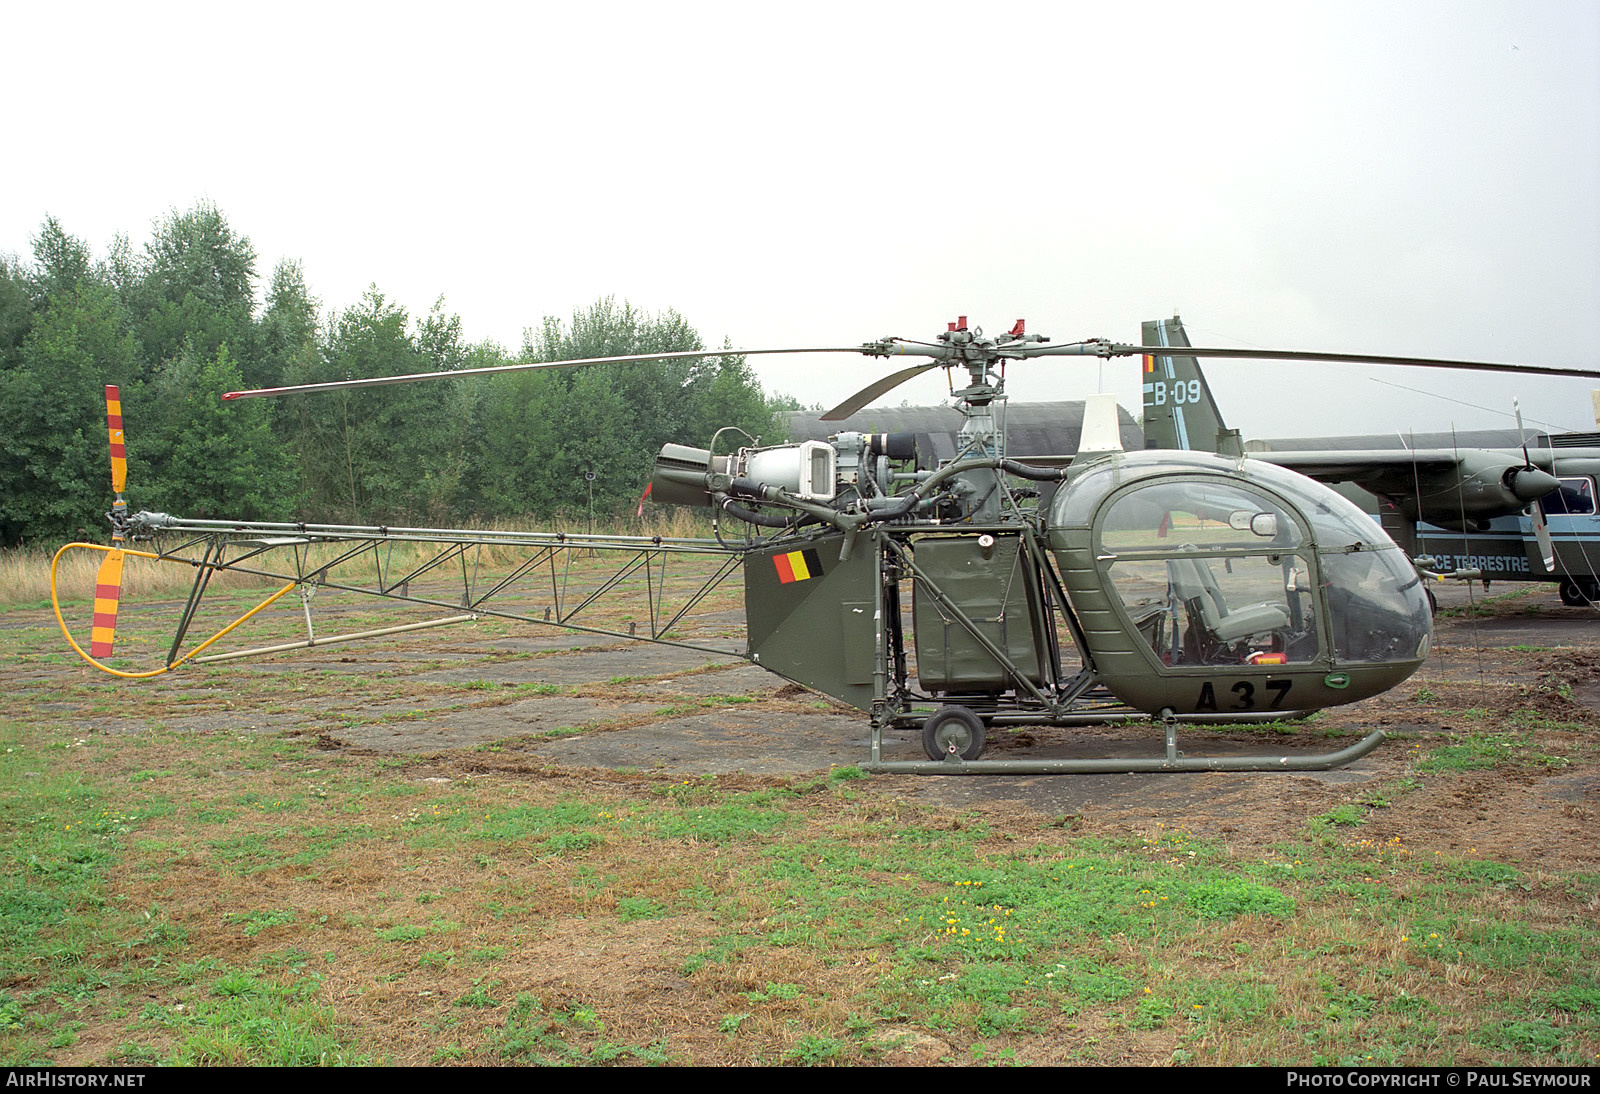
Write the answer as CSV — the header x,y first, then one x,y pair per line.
x,y
1191,565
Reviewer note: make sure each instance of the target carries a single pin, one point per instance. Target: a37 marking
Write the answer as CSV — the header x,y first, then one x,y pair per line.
x,y
1244,693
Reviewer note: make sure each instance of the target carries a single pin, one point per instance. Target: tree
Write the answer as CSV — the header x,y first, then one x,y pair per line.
x,y
198,287
64,262
16,313
173,325
286,336
54,461
734,397
544,431
197,253
212,459
385,454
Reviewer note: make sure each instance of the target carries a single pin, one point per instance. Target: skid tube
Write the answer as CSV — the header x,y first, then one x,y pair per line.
x,y
1173,762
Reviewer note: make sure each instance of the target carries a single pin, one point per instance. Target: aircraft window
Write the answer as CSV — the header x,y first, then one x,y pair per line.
x,y
1576,495
1337,521
1076,501
1376,606
1195,513
1197,610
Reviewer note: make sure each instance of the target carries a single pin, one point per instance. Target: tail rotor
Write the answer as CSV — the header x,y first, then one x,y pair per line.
x,y
108,581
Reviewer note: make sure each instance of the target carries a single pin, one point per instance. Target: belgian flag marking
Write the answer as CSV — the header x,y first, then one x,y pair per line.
x,y
798,566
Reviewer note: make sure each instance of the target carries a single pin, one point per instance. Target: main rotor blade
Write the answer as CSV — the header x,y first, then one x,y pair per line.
x,y
1104,349
681,355
1111,349
888,383
942,355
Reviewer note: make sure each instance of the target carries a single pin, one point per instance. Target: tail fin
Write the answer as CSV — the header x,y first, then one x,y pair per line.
x,y
1179,411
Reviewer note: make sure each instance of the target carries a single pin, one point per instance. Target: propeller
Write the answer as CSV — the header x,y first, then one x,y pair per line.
x,y
1541,527
108,581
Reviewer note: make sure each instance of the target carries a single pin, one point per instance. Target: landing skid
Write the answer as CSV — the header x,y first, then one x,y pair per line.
x,y
950,737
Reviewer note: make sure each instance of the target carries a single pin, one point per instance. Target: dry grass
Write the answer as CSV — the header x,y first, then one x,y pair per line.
x,y
25,576
25,571
235,881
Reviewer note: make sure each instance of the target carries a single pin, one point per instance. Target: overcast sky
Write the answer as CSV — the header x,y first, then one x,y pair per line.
x,y
1419,178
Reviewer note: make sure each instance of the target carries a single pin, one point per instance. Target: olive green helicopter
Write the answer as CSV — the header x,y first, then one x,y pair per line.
x,y
983,593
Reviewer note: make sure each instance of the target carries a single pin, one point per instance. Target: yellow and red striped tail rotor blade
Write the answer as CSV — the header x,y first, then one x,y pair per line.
x,y
107,592
119,455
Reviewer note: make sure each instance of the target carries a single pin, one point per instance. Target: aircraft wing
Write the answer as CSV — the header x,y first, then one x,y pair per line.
x,y
1385,472
1431,484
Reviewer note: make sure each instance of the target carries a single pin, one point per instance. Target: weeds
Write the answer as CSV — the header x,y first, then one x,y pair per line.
x,y
226,897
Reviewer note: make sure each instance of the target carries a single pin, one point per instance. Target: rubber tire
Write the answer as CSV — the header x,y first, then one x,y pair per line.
x,y
1573,594
955,727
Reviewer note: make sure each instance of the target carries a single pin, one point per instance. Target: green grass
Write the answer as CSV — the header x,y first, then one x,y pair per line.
x,y
206,899
1488,750
69,944
246,1019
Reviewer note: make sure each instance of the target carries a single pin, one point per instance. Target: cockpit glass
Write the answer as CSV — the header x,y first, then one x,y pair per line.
x,y
1210,572
1075,504
1236,610
1376,606
1193,514
1335,521
1226,561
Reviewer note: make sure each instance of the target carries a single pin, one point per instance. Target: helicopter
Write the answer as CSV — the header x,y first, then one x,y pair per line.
x,y
1489,514
1168,585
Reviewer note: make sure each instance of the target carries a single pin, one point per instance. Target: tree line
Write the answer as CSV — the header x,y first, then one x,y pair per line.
x,y
177,323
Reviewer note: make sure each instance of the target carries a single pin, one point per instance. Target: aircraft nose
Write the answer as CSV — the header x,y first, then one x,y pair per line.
x,y
1530,483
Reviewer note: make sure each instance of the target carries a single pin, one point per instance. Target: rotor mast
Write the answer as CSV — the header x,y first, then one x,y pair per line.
x,y
981,435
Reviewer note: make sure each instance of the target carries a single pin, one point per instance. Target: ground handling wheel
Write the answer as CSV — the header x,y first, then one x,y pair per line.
x,y
953,730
